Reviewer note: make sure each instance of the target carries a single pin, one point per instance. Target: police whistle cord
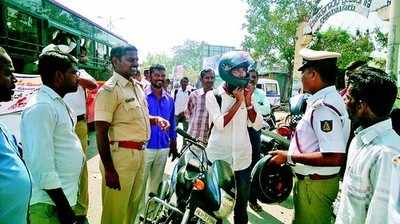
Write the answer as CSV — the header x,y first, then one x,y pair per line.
x,y
278,138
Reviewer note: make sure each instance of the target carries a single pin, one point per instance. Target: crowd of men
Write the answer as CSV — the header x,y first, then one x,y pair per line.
x,y
43,181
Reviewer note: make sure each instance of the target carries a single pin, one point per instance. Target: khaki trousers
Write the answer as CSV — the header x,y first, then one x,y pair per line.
x,y
121,207
82,204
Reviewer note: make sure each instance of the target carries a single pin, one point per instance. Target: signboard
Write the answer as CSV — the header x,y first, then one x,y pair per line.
x,y
25,86
363,7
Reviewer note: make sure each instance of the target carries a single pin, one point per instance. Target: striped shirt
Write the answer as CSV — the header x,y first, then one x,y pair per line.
x,y
197,115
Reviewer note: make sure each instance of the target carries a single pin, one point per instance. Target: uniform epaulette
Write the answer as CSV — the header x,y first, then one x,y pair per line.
x,y
109,85
318,103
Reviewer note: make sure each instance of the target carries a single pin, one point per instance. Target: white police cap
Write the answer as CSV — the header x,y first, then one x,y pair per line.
x,y
312,57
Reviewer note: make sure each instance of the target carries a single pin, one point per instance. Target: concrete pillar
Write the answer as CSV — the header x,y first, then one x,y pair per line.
x,y
392,64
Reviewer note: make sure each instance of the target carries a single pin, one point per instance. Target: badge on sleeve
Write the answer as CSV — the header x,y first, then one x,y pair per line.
x,y
396,160
326,125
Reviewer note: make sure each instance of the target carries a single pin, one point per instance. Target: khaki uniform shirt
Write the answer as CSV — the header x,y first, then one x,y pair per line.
x,y
122,103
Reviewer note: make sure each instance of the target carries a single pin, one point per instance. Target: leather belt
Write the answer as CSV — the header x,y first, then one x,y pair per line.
x,y
130,144
81,117
315,176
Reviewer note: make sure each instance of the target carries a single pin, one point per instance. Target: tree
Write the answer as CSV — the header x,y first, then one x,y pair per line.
x,y
162,59
190,55
271,27
352,48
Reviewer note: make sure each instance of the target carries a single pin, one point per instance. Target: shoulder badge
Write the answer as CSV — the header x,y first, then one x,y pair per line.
x,y
327,125
396,160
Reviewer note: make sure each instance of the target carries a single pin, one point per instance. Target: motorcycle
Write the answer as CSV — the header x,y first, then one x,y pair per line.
x,y
204,192
297,108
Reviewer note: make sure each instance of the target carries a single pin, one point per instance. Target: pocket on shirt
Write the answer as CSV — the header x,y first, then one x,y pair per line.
x,y
133,105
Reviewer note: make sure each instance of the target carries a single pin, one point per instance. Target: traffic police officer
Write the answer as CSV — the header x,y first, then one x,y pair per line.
x,y
318,147
122,128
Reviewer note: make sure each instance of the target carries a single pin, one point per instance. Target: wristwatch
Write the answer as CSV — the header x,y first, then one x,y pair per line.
x,y
289,159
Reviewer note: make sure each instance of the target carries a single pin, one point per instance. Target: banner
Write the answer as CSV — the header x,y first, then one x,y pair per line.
x,y
25,86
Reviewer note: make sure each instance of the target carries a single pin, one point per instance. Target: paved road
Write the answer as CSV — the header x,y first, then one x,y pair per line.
x,y
277,213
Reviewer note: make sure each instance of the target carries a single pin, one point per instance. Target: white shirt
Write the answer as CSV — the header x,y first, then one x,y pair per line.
x,y
181,100
230,143
394,198
77,100
315,137
52,150
368,177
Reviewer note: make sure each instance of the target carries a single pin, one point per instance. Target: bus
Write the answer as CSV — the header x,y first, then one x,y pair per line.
x,y
27,26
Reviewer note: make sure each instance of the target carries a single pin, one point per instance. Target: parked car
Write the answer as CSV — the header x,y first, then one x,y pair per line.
x,y
271,89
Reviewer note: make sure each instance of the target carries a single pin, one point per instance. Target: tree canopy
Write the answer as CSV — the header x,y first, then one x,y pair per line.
x,y
352,48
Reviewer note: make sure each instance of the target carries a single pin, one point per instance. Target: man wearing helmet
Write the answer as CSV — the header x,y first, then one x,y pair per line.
x,y
318,147
231,111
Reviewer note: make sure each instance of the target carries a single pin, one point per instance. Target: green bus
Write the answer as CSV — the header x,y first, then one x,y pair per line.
x,y
27,26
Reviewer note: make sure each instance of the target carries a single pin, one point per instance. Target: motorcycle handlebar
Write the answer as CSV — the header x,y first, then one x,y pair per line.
x,y
185,135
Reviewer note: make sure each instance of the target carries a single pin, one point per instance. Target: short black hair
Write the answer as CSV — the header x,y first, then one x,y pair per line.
x,y
156,67
375,87
119,51
355,64
327,70
185,78
204,72
52,61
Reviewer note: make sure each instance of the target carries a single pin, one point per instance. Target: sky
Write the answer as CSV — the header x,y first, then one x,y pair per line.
x,y
155,26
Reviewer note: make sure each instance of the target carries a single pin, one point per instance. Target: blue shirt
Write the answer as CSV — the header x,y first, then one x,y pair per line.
x,y
165,108
15,184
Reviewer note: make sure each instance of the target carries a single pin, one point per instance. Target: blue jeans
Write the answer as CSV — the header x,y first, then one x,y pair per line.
x,y
242,197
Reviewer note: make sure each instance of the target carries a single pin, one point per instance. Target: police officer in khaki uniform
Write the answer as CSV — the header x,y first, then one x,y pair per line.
x,y
122,127
318,147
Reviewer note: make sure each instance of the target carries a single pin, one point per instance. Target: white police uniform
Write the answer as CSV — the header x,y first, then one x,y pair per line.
x,y
325,126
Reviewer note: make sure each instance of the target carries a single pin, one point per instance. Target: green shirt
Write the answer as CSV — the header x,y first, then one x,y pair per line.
x,y
261,102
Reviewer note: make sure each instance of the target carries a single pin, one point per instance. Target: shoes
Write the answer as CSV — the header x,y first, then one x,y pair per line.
x,y
256,207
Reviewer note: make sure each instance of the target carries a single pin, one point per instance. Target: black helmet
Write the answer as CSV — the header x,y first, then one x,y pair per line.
x,y
271,183
231,60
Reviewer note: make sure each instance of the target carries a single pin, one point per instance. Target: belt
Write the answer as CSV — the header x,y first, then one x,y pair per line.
x,y
130,144
315,176
81,117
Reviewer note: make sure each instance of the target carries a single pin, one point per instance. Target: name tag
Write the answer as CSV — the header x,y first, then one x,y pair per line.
x,y
129,100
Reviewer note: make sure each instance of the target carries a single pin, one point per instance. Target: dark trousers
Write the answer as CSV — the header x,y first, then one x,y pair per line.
x,y
242,196
255,139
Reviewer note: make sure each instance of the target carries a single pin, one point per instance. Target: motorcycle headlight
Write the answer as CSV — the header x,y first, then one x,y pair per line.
x,y
226,207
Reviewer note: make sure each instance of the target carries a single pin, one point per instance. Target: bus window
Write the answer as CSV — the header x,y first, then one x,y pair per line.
x,y
101,52
59,37
86,50
22,27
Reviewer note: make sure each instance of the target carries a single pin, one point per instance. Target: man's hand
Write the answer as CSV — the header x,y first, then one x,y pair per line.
x,y
239,94
112,179
279,157
162,123
248,92
173,152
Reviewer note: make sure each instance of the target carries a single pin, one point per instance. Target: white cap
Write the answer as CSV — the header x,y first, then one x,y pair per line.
x,y
311,57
